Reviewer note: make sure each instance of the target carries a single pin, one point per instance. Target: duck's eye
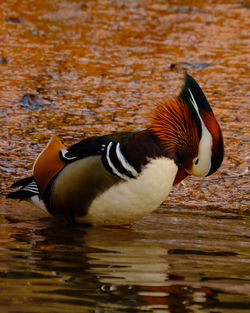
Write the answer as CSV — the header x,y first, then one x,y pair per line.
x,y
196,161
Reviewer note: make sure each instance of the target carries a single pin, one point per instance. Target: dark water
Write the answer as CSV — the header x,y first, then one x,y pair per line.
x,y
176,260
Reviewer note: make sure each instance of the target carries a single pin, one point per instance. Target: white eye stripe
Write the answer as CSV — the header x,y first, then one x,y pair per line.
x,y
194,103
202,167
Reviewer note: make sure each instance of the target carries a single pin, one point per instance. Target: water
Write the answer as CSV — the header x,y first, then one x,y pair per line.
x,y
99,66
176,260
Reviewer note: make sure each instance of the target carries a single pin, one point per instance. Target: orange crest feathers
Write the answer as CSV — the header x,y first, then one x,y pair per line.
x,y
174,124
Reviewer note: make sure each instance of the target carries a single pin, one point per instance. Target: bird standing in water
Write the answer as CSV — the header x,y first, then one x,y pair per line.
x,y
116,179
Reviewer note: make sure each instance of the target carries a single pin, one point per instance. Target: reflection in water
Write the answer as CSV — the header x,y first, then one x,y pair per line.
x,y
140,266
139,262
164,263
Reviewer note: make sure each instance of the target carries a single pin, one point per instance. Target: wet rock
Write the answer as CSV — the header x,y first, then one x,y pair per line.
x,y
186,9
14,20
184,66
40,90
3,60
84,6
33,102
180,9
245,4
61,92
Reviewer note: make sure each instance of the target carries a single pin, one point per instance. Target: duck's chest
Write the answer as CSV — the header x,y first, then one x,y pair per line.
x,y
128,201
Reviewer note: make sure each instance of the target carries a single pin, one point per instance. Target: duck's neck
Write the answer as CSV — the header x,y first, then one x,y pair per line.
x,y
143,146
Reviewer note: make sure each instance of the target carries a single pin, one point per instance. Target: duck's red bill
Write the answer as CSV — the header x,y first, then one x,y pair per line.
x,y
181,174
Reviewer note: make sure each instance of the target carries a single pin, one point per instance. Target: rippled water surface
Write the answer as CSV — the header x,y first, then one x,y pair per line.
x,y
176,260
99,66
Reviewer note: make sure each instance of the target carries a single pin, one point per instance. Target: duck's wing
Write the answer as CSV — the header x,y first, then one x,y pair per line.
x,y
45,167
110,147
55,156
93,146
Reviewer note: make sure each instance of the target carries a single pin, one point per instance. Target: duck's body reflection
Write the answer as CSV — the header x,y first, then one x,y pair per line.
x,y
112,270
124,259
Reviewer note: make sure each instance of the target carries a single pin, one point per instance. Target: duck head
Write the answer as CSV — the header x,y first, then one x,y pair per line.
x,y
189,131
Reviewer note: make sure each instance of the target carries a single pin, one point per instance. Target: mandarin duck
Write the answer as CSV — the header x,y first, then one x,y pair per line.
x,y
117,178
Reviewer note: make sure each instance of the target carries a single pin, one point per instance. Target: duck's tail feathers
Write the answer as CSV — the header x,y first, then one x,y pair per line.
x,y
22,182
28,189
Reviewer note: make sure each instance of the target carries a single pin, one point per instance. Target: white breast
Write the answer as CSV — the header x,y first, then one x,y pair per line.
x,y
130,200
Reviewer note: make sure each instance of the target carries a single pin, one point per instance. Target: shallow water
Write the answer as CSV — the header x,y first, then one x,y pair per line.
x,y
176,260
99,66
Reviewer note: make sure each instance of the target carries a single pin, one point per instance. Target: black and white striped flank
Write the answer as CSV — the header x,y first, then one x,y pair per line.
x,y
116,163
